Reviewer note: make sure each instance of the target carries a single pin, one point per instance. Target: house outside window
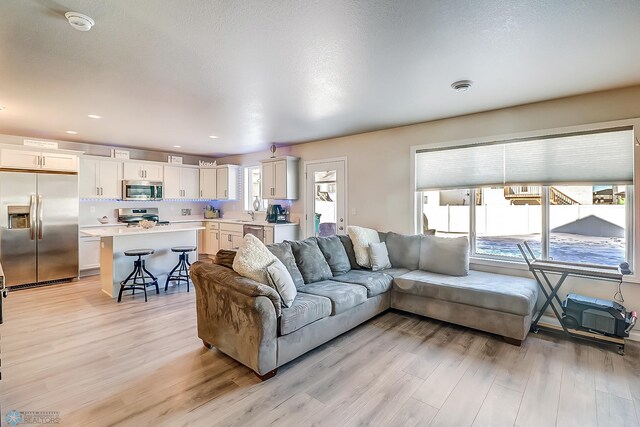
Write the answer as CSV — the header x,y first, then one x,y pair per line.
x,y
253,188
579,219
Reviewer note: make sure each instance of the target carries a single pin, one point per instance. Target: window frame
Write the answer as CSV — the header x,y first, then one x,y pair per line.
x,y
248,193
632,232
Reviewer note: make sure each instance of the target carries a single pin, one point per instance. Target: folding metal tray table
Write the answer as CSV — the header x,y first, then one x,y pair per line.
x,y
540,268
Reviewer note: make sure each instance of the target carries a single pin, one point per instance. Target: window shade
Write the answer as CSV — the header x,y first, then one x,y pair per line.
x,y
605,156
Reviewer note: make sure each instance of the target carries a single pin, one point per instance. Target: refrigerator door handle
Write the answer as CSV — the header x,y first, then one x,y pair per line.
x,y
40,216
32,216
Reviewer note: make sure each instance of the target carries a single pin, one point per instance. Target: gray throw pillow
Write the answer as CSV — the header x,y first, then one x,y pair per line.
x,y
351,253
283,252
335,254
379,256
404,251
383,236
281,281
310,261
445,255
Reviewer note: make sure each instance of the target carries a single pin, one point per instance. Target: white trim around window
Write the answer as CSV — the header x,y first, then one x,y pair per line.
x,y
493,263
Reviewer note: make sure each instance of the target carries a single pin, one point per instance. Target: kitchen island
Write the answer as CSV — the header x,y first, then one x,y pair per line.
x,y
115,266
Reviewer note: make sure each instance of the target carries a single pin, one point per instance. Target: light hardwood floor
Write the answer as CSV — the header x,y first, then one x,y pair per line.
x,y
69,348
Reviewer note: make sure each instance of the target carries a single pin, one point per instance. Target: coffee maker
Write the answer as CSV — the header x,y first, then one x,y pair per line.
x,y
276,214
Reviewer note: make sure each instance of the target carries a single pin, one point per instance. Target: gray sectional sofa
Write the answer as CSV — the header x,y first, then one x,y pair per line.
x,y
247,321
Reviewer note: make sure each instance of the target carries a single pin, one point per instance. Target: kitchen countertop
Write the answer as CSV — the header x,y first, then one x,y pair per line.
x,y
187,219
129,231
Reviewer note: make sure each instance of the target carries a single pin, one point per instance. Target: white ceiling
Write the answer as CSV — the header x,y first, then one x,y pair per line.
x,y
166,72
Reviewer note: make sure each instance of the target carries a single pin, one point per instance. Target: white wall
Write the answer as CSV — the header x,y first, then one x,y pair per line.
x,y
379,162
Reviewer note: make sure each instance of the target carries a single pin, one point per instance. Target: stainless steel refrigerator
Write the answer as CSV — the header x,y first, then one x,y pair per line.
x,y
38,227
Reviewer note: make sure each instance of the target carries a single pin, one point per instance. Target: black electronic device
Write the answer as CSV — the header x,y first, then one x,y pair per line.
x,y
597,315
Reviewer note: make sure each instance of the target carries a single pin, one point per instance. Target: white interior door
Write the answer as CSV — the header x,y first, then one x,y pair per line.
x,y
325,198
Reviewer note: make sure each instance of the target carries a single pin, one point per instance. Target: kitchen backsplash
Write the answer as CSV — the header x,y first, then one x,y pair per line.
x,y
91,210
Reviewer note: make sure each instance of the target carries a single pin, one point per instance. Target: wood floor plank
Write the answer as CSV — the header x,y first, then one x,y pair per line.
x,y
413,413
539,405
499,408
577,405
71,349
615,411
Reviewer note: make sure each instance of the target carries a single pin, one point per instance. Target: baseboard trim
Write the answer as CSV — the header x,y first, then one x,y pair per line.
x,y
633,335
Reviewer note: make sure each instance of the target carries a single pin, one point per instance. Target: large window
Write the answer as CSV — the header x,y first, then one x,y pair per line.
x,y
568,196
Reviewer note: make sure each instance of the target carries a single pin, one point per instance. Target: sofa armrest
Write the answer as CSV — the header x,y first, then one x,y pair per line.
x,y
237,315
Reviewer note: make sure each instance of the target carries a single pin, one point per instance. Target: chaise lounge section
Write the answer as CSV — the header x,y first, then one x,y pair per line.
x,y
247,320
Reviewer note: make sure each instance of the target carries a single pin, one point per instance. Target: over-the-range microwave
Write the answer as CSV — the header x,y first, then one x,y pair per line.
x,y
142,190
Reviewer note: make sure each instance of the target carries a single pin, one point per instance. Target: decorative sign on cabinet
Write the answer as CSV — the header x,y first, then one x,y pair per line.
x,y
280,178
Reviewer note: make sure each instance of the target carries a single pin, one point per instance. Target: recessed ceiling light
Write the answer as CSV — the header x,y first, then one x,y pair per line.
x,y
213,136
2,108
177,146
94,116
461,85
79,21
72,132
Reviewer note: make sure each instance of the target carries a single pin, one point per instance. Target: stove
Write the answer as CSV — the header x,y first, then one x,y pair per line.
x,y
132,216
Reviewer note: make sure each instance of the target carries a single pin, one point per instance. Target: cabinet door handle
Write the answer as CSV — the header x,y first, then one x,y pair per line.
x,y
43,160
97,191
200,193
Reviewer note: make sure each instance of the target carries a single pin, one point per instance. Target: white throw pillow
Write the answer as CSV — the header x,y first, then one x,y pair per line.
x,y
280,280
379,256
252,259
361,237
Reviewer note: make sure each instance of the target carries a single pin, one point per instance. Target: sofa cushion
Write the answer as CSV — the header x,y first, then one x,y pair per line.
x,y
283,252
395,272
361,237
252,259
348,247
225,258
281,281
306,308
508,294
376,282
445,255
379,256
335,254
343,296
404,251
310,260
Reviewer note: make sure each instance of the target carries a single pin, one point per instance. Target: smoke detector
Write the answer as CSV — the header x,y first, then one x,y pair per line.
x,y
79,21
461,85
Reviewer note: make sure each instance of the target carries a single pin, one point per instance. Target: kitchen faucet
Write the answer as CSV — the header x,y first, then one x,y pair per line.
x,y
252,215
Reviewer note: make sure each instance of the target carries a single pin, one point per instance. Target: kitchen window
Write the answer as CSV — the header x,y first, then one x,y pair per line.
x,y
570,196
253,183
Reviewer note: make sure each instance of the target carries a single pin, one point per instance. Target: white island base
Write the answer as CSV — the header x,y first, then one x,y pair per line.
x,y
115,266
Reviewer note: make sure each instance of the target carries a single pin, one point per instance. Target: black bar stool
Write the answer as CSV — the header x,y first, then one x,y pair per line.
x,y
182,273
137,277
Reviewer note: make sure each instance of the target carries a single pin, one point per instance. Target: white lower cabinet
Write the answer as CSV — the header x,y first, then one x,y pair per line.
x,y
231,236
212,232
89,256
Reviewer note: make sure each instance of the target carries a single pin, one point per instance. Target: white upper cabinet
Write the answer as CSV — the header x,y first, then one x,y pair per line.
x,y
181,182
227,182
100,178
280,178
208,184
190,183
33,160
143,171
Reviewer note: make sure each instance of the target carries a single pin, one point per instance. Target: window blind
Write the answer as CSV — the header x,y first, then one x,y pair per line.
x,y
599,157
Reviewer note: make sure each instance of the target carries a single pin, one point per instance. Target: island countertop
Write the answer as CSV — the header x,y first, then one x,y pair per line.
x,y
128,231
